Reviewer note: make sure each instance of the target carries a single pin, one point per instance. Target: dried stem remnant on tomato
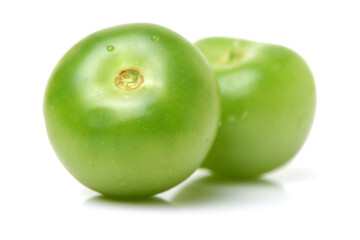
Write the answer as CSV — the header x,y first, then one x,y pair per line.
x,y
129,78
232,55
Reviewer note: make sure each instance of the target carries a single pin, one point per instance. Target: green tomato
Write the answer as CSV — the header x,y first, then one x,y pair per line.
x,y
268,105
132,110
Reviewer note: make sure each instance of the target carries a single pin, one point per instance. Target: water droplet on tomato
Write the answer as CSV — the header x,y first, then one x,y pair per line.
x,y
231,119
123,183
155,38
110,48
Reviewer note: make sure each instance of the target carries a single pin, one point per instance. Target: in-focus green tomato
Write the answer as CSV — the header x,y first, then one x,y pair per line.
x,y
268,105
132,110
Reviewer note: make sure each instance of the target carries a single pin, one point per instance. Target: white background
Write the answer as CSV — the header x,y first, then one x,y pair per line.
x,y
316,196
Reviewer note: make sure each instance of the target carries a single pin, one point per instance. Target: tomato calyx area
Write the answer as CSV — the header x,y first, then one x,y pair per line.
x,y
129,79
231,55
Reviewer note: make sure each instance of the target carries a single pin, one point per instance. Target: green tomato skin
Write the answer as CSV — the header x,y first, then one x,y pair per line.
x,y
268,104
139,142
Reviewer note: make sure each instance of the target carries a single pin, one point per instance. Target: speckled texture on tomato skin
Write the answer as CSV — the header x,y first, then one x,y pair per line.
x,y
268,103
139,142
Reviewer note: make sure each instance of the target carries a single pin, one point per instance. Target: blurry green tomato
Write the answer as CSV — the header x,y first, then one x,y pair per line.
x,y
268,104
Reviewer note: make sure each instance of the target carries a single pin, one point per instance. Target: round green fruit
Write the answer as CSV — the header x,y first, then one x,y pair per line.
x,y
268,105
132,110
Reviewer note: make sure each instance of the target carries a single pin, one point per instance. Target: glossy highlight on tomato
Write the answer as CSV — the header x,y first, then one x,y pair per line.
x,y
132,110
268,104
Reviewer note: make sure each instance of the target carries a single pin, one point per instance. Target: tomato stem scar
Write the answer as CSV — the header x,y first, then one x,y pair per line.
x,y
129,79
